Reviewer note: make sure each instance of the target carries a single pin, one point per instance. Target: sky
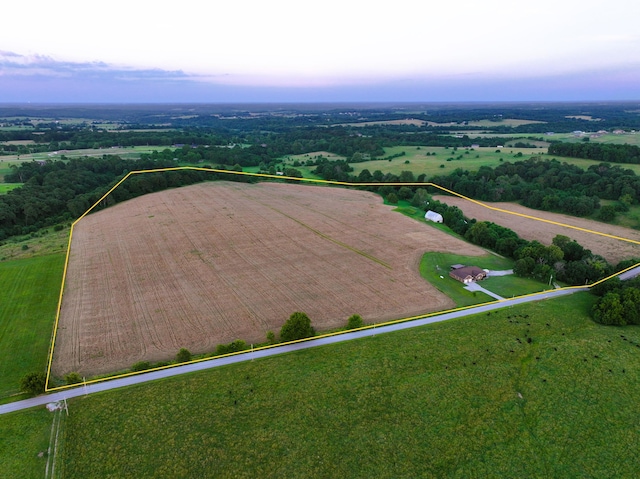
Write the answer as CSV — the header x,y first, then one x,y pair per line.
x,y
319,51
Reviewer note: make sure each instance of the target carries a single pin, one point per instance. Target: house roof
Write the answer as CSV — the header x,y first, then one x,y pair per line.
x,y
465,271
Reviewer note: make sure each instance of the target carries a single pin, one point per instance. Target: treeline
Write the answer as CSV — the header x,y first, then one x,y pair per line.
x,y
548,185
606,152
537,183
565,259
59,191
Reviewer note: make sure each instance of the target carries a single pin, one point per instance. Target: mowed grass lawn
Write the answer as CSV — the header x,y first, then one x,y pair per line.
x,y
435,268
463,398
29,290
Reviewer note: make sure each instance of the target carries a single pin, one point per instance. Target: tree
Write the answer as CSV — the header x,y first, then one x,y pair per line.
x,y
183,356
420,198
392,198
33,383
405,193
298,326
631,305
524,267
609,310
354,321
607,213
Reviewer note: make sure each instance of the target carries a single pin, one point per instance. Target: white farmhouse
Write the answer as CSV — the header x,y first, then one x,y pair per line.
x,y
433,216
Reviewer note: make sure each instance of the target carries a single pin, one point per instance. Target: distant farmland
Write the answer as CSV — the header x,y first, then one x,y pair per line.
x,y
612,249
207,264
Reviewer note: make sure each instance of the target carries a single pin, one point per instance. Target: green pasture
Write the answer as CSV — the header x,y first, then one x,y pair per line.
x,y
42,242
127,153
29,290
447,160
24,440
536,390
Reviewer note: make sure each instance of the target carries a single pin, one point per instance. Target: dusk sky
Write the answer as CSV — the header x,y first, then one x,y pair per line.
x,y
347,50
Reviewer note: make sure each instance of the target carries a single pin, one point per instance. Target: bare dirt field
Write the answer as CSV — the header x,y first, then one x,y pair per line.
x,y
210,263
612,249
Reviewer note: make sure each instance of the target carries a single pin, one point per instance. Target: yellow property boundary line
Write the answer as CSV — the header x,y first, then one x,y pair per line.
x,y
304,180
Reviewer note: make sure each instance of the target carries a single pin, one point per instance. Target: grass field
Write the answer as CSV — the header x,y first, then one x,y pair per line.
x,y
29,291
24,440
470,160
6,187
126,152
419,162
43,242
463,398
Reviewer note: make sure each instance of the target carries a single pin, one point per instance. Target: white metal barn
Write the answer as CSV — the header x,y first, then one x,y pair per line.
x,y
433,216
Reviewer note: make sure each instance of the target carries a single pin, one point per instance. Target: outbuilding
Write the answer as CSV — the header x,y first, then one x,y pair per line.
x,y
433,216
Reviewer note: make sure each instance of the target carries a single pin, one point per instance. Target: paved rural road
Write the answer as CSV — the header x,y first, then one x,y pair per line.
x,y
214,363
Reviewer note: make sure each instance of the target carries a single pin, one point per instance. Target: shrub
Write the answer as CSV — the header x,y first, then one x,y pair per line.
x,y
271,337
141,366
183,356
73,378
232,347
354,321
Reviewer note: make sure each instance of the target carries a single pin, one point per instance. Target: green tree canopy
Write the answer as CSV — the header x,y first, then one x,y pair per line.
x,y
183,356
298,326
354,321
33,383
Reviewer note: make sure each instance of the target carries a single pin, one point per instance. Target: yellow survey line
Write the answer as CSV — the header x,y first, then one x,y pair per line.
x,y
308,180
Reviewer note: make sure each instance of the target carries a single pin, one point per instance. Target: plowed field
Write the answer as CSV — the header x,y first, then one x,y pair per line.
x,y
613,250
207,264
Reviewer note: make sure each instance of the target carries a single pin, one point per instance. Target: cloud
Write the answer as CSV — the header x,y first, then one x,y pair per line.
x,y
40,78
20,66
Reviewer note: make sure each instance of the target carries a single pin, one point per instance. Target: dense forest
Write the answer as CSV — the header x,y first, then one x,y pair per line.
x,y
59,191
597,151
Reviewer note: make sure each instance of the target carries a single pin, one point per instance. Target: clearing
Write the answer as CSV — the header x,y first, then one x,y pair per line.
x,y
210,263
610,248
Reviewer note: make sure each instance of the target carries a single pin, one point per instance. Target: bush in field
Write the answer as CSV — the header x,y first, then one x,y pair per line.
x,y
392,198
271,337
298,326
72,378
33,383
141,366
232,347
183,356
354,321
